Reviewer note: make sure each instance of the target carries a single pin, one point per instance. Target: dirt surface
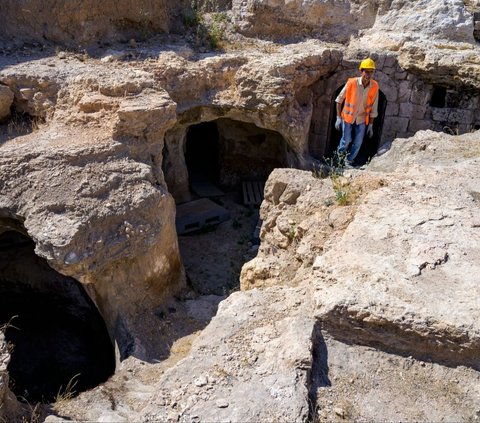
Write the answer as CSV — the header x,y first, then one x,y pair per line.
x,y
213,257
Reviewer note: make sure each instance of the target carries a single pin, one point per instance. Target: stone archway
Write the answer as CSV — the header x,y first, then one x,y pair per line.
x,y
60,341
227,150
235,150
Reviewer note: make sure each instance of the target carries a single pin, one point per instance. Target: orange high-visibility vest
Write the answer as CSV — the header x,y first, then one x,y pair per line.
x,y
349,111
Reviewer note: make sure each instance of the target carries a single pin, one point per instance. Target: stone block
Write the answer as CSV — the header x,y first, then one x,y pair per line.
x,y
390,61
392,109
399,124
404,91
412,110
440,115
388,71
418,94
419,125
380,62
400,75
391,94
460,116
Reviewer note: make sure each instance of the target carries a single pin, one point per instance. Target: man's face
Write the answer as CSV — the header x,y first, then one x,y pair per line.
x,y
367,74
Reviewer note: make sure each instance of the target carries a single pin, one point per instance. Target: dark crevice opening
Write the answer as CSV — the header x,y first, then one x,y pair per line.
x,y
319,373
226,152
439,96
59,338
228,162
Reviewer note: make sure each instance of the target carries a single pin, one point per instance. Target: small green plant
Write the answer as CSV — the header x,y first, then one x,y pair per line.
x,y
190,19
206,23
292,232
342,196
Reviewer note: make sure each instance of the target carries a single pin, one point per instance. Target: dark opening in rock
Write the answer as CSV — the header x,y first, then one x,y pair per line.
x,y
370,145
19,124
227,152
439,95
60,342
202,153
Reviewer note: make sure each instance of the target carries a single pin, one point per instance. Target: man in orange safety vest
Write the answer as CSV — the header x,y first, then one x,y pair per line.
x,y
360,109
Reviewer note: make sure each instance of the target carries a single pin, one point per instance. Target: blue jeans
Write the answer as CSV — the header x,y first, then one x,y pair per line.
x,y
358,133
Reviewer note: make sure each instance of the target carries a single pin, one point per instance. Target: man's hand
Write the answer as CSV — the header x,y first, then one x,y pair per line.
x,y
338,123
370,130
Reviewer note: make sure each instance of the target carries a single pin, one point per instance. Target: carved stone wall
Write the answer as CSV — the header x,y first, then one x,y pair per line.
x,y
412,104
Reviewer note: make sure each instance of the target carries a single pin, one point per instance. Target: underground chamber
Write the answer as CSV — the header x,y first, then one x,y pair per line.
x,y
59,342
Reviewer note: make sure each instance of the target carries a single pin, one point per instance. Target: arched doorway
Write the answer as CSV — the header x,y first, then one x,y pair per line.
x,y
59,340
215,242
227,151
369,145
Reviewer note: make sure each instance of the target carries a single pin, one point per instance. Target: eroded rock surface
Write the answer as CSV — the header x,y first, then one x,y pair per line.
x,y
95,215
369,266
369,318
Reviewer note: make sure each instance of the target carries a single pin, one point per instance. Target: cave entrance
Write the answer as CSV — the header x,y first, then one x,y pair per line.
x,y
370,145
60,342
231,153
227,151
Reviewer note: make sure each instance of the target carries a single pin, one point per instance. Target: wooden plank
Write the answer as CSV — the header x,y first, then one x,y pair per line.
x,y
252,192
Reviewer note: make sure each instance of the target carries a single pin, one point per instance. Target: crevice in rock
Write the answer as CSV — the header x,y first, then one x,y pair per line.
x,y
221,156
319,376
60,343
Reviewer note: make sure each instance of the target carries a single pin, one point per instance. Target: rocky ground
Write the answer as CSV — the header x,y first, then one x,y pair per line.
x,y
361,302
214,257
332,341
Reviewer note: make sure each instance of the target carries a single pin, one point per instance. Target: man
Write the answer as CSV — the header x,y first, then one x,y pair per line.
x,y
360,109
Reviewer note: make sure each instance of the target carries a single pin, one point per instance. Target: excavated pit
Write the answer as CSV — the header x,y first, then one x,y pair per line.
x,y
60,343
222,156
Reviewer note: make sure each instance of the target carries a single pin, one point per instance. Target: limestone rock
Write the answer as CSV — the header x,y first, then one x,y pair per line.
x,y
441,19
251,363
281,19
96,215
376,277
84,23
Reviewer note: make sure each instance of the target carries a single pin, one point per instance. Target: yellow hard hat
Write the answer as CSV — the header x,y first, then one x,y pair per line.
x,y
367,64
